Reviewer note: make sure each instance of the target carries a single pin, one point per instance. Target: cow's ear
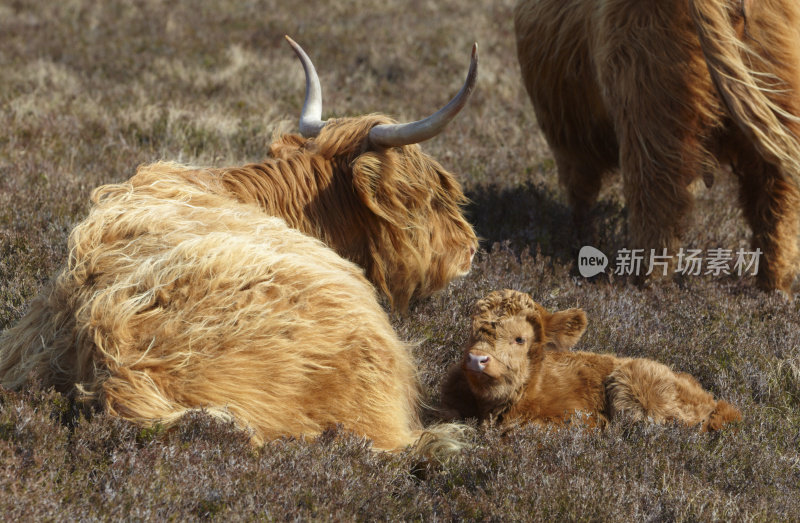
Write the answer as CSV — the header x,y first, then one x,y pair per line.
x,y
369,186
563,329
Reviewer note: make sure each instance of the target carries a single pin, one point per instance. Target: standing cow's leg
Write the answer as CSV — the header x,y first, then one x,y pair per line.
x,y
553,47
655,187
771,204
582,181
660,97
769,194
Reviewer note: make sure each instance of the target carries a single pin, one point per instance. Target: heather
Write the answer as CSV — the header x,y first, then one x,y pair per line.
x,y
90,90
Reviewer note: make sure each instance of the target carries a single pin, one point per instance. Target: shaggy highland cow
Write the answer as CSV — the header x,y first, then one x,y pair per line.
x,y
362,186
664,91
184,288
174,304
507,374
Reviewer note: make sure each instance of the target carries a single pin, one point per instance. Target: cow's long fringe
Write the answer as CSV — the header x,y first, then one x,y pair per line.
x,y
190,301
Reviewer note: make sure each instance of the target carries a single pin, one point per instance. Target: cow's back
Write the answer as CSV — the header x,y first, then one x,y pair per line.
x,y
194,301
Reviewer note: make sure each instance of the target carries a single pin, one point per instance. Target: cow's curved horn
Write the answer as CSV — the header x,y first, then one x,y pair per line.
x,y
395,135
311,122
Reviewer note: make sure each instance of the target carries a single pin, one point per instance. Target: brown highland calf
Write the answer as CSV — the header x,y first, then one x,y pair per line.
x,y
362,186
508,375
184,288
664,91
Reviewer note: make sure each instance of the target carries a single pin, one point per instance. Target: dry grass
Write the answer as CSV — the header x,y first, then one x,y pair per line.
x,y
91,89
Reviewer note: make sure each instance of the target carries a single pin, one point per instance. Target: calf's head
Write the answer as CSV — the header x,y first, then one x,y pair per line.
x,y
509,335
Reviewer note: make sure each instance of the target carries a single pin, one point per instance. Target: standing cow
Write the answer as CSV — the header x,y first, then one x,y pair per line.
x,y
664,91
186,289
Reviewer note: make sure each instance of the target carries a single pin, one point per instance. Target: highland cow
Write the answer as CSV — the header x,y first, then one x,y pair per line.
x,y
362,186
175,304
507,374
185,288
665,91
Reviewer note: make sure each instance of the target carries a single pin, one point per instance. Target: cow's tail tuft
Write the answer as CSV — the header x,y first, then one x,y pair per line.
x,y
438,442
28,350
744,91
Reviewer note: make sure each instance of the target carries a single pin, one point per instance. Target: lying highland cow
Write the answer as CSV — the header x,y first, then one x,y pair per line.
x,y
182,290
508,375
664,91
362,186
174,304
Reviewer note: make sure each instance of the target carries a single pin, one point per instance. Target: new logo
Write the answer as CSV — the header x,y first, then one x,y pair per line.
x,y
591,261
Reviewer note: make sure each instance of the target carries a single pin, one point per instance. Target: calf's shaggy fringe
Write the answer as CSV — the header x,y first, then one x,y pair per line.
x,y
395,212
174,299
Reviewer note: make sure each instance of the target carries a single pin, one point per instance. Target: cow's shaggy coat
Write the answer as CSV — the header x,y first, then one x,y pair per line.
x,y
664,90
184,302
395,212
507,375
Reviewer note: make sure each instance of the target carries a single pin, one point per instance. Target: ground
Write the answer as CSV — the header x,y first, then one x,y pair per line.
x,y
89,90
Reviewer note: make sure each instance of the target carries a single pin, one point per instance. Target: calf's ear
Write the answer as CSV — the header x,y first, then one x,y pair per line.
x,y
535,319
563,329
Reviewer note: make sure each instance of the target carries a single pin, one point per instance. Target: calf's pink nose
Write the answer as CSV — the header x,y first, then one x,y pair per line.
x,y
477,363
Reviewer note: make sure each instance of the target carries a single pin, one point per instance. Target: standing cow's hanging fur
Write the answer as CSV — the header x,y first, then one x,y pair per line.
x,y
665,90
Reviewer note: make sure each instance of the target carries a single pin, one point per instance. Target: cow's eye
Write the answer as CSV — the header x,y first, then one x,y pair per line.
x,y
519,340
